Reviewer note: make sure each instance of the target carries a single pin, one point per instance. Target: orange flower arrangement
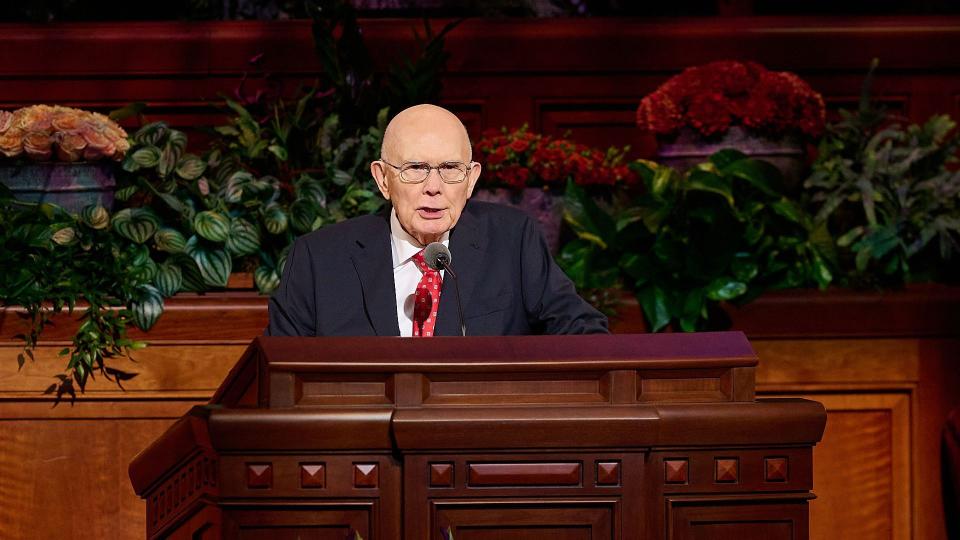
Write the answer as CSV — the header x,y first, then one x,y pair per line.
x,y
41,132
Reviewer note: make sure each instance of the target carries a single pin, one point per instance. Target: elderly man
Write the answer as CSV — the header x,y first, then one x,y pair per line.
x,y
367,276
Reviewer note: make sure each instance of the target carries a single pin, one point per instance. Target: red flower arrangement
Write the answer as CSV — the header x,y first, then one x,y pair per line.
x,y
519,158
713,97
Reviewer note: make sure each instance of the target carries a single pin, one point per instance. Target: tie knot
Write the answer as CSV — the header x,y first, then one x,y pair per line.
x,y
421,262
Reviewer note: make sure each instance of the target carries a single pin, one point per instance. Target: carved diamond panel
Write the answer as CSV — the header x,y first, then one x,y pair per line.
x,y
675,471
775,469
365,475
313,475
608,473
259,475
726,470
441,475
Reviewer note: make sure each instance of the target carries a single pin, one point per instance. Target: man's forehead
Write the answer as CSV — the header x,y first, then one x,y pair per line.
x,y
430,143
428,129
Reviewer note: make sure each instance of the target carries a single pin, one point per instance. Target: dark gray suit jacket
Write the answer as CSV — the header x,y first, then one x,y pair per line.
x,y
338,281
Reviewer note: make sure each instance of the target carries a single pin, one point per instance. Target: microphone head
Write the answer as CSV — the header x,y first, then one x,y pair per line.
x,y
436,255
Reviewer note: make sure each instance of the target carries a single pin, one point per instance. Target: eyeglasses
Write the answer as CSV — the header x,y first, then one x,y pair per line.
x,y
415,172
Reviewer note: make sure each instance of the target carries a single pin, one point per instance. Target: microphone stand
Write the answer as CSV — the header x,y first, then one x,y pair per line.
x,y
456,287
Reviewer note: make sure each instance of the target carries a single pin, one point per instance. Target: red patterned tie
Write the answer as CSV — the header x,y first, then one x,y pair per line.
x,y
427,299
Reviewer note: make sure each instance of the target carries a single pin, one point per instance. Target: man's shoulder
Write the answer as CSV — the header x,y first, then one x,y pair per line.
x,y
360,228
498,215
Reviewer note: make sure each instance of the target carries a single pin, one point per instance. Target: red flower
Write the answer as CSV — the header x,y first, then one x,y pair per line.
x,y
497,157
520,145
519,159
715,96
709,113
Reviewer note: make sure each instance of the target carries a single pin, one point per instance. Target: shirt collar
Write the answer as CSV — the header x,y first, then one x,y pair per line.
x,y
403,245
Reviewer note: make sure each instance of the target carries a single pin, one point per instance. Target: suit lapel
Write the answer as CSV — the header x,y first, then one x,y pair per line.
x,y
371,255
467,248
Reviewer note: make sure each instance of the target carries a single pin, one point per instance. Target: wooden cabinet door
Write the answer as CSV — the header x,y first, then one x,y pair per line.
x,y
520,520
719,520
296,523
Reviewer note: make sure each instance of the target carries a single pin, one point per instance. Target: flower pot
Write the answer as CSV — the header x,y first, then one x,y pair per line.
x,y
545,207
689,148
70,185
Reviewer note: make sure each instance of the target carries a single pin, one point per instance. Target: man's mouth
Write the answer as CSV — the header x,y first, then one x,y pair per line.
x,y
428,212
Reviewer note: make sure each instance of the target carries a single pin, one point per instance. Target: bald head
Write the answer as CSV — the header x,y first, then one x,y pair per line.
x,y
413,125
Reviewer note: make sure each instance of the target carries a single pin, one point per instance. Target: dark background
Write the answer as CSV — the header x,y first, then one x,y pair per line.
x,y
114,10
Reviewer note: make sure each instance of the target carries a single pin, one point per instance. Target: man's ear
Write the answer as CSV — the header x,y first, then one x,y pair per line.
x,y
472,178
376,169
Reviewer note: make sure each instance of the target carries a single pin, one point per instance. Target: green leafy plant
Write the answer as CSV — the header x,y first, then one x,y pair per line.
x,y
279,168
306,152
241,206
93,262
722,232
887,192
359,91
185,223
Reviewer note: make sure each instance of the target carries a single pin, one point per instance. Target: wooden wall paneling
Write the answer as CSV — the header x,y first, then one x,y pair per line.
x,y
862,467
471,113
938,393
920,311
662,44
67,464
65,468
869,388
601,123
190,371
835,363
228,318
182,69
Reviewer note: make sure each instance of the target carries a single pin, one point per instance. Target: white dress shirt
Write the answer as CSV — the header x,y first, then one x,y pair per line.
x,y
406,274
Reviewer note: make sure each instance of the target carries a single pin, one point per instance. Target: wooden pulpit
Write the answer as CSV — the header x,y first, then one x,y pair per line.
x,y
511,438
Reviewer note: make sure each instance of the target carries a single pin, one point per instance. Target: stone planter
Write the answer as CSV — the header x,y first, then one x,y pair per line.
x,y
70,185
689,148
542,205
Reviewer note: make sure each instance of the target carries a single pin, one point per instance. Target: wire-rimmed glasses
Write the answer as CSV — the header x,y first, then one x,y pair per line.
x,y
415,172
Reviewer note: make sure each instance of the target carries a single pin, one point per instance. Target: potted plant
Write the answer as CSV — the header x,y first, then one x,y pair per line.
x,y
60,155
890,195
529,170
91,261
730,104
226,212
723,231
184,223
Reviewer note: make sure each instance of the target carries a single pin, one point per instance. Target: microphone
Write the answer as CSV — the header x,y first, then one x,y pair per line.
x,y
438,257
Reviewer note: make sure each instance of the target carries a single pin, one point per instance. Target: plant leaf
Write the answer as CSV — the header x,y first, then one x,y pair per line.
x,y
136,224
725,289
168,279
147,308
190,167
212,225
243,239
654,303
215,265
169,240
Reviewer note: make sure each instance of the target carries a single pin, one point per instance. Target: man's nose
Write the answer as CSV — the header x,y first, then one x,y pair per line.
x,y
433,184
